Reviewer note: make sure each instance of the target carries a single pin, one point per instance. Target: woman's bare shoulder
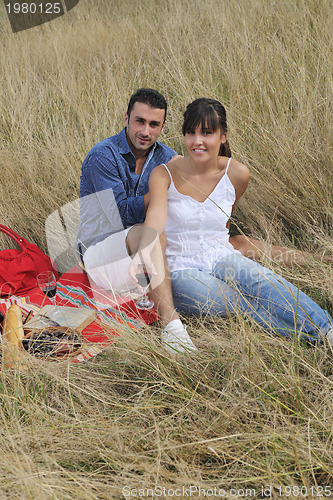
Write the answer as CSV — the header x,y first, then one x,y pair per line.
x,y
238,172
177,167
159,173
177,162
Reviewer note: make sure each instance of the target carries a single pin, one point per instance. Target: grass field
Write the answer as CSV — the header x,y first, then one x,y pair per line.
x,y
251,411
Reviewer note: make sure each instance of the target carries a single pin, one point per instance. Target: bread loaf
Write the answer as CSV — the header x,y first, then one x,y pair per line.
x,y
12,336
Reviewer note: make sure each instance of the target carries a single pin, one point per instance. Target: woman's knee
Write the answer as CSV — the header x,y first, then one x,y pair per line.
x,y
197,292
242,272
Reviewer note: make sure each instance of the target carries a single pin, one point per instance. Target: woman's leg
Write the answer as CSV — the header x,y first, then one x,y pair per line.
x,y
198,292
201,293
270,299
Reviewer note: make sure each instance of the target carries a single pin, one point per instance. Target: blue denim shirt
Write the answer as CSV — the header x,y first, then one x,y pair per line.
x,y
111,193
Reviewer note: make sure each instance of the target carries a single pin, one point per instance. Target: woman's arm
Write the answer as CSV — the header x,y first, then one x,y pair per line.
x,y
155,221
159,183
239,175
255,249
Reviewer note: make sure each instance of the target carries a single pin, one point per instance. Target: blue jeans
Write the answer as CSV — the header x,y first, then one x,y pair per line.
x,y
240,285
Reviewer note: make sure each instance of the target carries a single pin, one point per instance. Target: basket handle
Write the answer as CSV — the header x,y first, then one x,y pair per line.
x,y
12,234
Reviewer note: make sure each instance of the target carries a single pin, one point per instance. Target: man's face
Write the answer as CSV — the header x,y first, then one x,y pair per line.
x,y
144,125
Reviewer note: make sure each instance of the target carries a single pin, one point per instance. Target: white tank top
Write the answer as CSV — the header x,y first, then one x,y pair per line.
x,y
197,233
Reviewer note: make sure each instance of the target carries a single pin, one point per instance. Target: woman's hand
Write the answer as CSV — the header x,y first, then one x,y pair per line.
x,y
141,264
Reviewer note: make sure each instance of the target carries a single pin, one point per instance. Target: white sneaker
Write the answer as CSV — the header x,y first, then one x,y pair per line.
x,y
175,338
329,336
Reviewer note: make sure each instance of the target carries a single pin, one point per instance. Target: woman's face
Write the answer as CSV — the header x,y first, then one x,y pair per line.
x,y
204,144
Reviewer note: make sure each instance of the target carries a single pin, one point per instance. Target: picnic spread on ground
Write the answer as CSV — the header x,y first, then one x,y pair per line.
x,y
85,320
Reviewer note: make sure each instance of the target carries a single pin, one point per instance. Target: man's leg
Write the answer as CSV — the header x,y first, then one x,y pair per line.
x,y
107,262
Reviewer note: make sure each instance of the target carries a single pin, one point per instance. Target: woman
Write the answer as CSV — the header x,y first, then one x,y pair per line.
x,y
193,198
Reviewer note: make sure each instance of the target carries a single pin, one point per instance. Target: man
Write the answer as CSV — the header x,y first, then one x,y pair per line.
x,y
114,198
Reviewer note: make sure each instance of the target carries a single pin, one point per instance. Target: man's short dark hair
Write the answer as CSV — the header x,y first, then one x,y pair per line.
x,y
150,97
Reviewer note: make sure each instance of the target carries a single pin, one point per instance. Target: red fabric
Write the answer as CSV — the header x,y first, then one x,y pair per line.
x,y
19,267
93,332
78,277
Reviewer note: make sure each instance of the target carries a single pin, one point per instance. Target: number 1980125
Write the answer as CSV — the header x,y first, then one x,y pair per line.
x,y
34,8
313,491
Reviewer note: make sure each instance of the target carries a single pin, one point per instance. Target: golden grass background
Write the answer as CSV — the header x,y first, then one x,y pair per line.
x,y
251,410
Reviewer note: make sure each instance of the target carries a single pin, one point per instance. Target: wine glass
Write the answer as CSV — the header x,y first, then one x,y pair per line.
x,y
48,284
144,277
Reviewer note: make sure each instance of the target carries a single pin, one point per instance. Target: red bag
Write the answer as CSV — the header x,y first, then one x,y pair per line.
x,y
19,268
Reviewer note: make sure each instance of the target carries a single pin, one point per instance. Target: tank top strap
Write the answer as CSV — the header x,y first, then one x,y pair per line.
x,y
226,170
164,165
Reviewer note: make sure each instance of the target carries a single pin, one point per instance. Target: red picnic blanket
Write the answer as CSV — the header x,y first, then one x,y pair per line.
x,y
116,312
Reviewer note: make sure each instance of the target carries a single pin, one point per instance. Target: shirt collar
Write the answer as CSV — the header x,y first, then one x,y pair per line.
x,y
122,143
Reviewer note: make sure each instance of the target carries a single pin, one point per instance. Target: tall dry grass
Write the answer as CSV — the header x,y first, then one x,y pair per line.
x,y
251,410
